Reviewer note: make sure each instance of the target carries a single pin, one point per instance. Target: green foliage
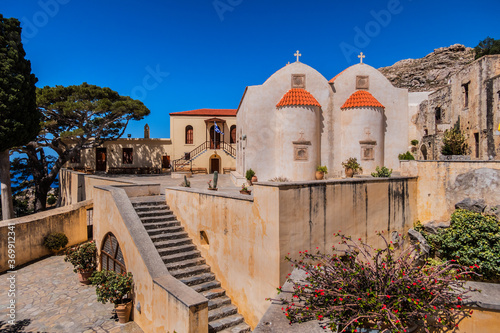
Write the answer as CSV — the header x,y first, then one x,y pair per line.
x,y
472,239
55,241
19,117
406,156
250,173
216,178
352,163
382,172
111,286
383,287
414,142
83,257
454,142
51,200
322,168
487,46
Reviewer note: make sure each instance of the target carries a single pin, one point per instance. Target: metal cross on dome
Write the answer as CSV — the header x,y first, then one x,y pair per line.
x,y
297,54
361,56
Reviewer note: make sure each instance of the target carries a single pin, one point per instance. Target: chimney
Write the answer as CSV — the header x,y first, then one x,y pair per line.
x,y
146,131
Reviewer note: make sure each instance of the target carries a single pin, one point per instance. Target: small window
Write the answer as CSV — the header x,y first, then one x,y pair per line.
x,y
77,158
111,255
128,156
466,95
189,135
233,134
476,141
438,115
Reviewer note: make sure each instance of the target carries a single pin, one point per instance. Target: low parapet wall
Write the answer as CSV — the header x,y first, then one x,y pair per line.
x,y
166,304
28,232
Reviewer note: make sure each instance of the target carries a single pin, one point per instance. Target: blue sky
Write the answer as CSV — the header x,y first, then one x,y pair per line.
x,y
183,55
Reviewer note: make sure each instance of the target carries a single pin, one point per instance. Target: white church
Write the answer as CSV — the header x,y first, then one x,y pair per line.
x,y
297,120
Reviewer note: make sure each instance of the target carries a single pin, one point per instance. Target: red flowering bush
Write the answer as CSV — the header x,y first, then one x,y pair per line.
x,y
383,288
111,286
83,257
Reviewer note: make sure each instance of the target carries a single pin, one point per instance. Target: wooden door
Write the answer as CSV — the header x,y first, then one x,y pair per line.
x,y
100,159
214,139
165,162
214,165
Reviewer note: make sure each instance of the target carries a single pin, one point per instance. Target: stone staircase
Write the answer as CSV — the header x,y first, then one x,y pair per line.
x,y
185,262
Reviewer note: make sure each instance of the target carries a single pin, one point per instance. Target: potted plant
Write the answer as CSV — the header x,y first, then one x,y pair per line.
x,y
351,167
214,186
321,171
251,177
84,258
245,190
385,288
114,288
382,172
55,241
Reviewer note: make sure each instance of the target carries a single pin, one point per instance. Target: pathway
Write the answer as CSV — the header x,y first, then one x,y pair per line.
x,y
50,299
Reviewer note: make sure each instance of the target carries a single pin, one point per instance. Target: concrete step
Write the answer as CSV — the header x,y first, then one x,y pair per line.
x,y
181,256
206,286
224,323
224,311
154,213
241,328
160,244
138,203
214,293
156,219
198,279
190,271
176,249
218,302
162,224
164,230
140,209
176,265
158,237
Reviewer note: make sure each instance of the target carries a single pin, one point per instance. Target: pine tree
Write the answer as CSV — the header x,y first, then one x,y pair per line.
x,y
19,117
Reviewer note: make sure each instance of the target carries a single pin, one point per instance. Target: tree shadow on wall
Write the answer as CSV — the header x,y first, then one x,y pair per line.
x,y
19,326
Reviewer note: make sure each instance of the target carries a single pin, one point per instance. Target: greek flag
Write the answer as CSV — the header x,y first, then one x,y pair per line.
x,y
217,130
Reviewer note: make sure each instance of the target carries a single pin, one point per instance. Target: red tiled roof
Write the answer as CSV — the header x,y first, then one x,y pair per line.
x,y
297,96
361,98
207,112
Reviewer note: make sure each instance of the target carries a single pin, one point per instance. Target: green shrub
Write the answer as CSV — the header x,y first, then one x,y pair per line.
x,y
111,286
472,239
250,173
454,142
384,287
406,156
352,163
322,168
55,241
51,199
414,142
382,172
83,257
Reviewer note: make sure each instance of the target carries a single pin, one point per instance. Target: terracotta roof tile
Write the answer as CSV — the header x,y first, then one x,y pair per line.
x,y
297,96
361,98
206,112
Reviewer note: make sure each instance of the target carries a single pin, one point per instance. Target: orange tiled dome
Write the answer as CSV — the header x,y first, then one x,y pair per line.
x,y
297,96
361,98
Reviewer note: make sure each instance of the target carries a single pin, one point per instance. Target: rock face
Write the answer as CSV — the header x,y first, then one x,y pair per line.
x,y
430,72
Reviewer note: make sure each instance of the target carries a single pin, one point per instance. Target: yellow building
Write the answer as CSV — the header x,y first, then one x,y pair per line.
x,y
201,140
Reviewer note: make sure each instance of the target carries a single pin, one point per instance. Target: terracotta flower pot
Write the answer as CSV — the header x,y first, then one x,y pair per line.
x,y
254,179
320,175
349,173
246,192
123,312
84,277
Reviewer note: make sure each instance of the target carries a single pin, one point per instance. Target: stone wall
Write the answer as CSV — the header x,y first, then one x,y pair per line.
x,y
248,240
441,184
31,230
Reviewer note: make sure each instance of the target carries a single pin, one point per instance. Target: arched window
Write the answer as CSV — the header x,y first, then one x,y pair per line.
x,y
232,138
111,255
189,135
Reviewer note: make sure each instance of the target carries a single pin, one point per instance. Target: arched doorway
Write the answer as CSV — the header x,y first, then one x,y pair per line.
x,y
215,163
111,255
214,138
423,150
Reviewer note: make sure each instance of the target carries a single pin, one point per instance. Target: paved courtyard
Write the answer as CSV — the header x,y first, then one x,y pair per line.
x,y
49,298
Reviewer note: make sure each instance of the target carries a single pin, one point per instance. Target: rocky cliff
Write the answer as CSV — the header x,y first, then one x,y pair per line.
x,y
430,72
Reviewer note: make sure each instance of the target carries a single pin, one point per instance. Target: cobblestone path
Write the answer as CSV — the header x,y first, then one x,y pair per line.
x,y
49,298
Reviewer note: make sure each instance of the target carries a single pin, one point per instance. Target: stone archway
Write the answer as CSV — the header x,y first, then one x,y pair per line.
x,y
111,255
423,151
